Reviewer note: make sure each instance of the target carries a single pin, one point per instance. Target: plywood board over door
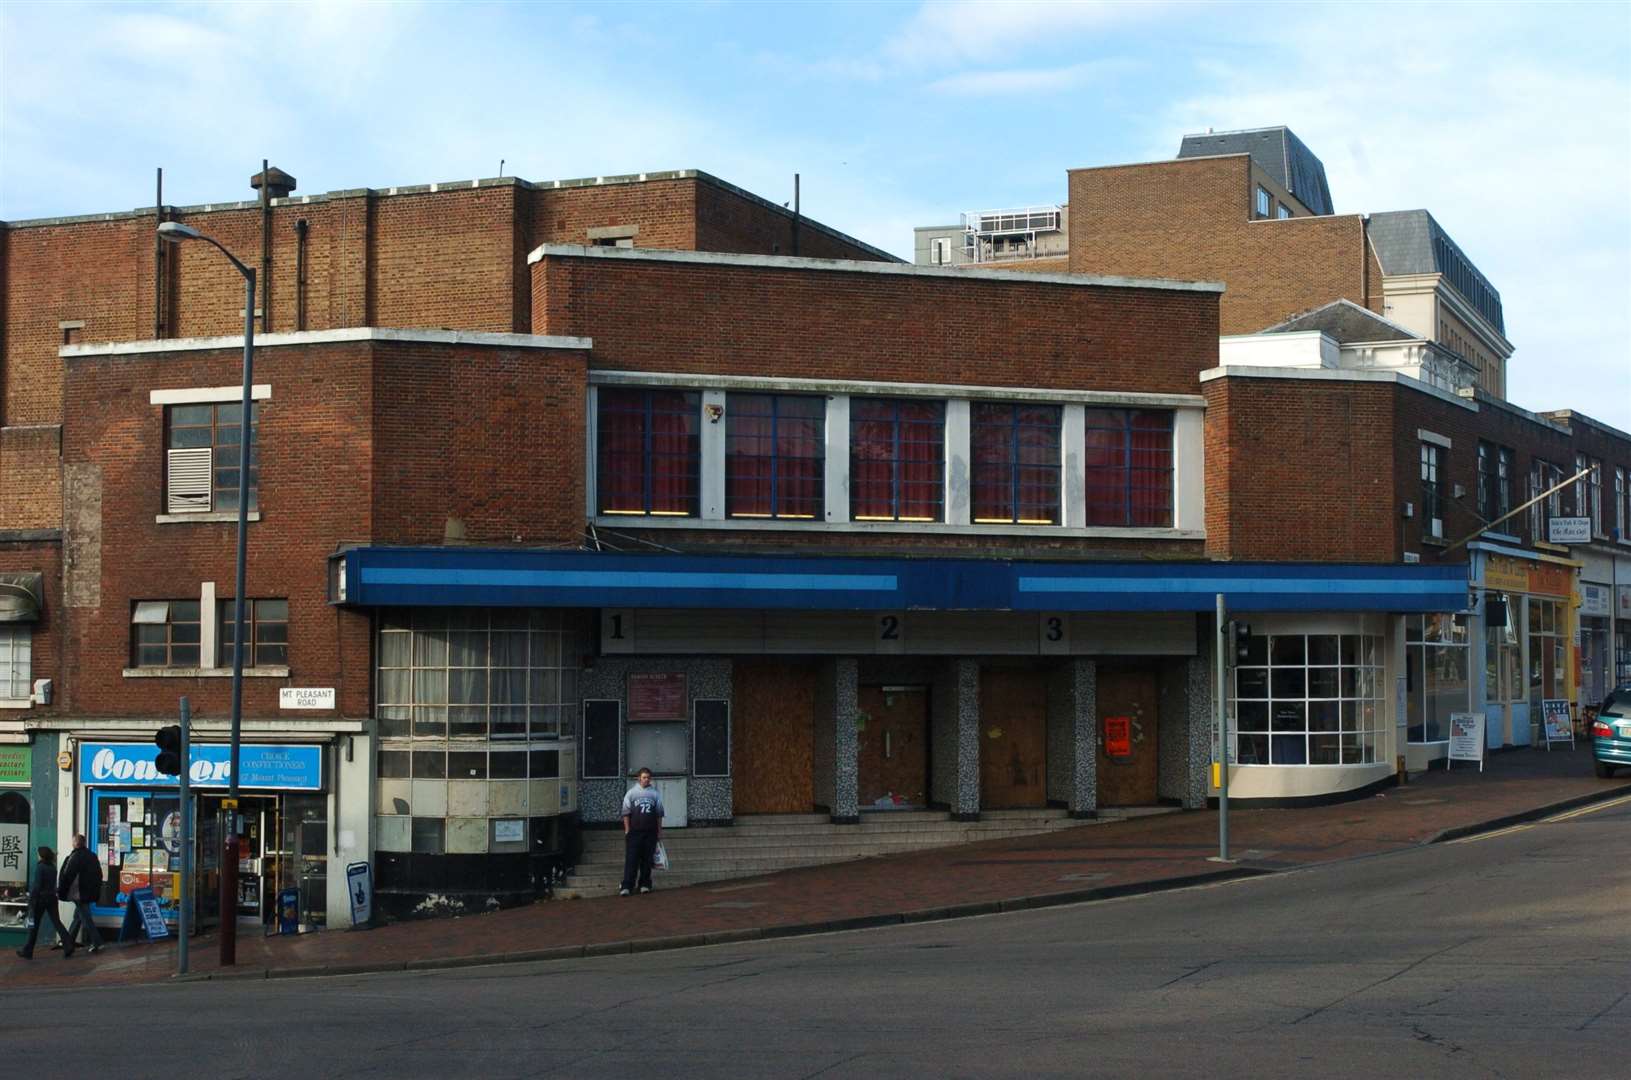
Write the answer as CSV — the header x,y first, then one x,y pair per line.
x,y
892,746
1013,738
1128,702
773,712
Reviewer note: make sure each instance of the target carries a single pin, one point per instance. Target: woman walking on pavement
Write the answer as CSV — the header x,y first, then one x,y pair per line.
x,y
42,905
80,885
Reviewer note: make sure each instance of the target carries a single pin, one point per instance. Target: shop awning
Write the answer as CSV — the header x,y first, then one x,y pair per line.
x,y
484,577
22,596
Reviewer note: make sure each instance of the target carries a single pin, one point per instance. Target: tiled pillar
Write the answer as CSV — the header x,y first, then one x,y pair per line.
x,y
1084,785
966,674
835,741
1186,729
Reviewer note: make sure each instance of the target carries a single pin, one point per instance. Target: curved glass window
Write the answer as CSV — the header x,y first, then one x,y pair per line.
x,y
1309,699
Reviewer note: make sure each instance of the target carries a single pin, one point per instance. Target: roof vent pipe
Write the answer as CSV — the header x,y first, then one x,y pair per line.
x,y
278,183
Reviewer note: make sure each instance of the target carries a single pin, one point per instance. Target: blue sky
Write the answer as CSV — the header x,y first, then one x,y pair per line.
x,y
1510,122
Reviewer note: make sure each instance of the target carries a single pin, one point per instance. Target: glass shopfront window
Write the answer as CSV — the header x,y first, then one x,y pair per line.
x,y
17,856
1594,661
1437,678
1503,656
1547,652
1309,699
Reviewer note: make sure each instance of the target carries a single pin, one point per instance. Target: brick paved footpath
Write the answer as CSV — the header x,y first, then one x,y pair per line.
x,y
1095,860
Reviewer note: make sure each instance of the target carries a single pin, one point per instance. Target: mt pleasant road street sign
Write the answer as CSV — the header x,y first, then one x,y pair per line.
x,y
296,697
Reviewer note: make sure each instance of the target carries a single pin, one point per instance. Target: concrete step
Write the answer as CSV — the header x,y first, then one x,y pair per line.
x,y
602,839
748,846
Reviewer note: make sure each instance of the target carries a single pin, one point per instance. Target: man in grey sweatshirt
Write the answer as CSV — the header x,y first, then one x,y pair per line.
x,y
642,829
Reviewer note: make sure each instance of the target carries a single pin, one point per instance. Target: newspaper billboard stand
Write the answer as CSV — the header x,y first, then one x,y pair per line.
x,y
1467,738
1556,723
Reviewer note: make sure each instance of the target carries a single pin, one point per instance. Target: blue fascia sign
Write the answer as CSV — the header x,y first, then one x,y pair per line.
x,y
262,766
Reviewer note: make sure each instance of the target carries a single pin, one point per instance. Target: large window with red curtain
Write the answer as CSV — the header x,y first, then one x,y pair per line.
x,y
1128,461
897,459
648,451
1016,463
775,453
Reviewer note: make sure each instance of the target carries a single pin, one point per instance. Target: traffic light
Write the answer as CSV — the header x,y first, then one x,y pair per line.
x,y
1237,632
168,740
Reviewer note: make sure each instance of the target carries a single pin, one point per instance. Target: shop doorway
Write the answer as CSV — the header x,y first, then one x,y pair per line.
x,y
892,747
283,846
1013,738
772,746
1127,735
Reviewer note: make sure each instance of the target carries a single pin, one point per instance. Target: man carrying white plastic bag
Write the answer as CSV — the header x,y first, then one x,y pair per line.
x,y
642,834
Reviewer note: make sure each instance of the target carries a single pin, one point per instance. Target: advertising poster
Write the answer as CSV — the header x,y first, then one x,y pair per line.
x,y
1467,737
1559,726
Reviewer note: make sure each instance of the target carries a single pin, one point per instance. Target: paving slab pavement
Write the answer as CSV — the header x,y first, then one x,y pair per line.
x,y
1096,860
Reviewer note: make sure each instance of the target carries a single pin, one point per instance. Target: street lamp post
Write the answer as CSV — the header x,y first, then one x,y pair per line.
x,y
175,232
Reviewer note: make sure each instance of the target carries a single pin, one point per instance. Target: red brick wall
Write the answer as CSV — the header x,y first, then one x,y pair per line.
x,y
40,555
1190,220
1305,470
728,220
361,442
314,478
1300,470
718,318
31,476
478,445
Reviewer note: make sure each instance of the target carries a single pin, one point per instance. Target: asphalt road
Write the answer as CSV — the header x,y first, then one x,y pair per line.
x,y
1507,955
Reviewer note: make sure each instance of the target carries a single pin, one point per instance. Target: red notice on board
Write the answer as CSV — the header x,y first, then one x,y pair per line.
x,y
656,696
1118,736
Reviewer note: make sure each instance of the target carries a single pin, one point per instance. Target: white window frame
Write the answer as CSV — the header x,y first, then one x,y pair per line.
x,y
1188,437
1263,204
201,395
16,690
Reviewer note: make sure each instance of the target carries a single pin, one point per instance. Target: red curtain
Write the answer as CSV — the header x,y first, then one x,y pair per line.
x,y
897,459
649,451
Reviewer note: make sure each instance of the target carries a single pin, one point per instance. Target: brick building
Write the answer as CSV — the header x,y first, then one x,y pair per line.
x,y
551,482
1369,354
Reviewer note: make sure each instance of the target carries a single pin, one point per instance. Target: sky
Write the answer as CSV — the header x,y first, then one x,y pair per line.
x,y
1510,122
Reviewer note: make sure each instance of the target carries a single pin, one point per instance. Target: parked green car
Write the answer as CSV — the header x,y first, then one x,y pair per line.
x,y
1611,733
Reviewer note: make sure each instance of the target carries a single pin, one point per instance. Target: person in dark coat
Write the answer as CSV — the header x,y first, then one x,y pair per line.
x,y
80,884
42,904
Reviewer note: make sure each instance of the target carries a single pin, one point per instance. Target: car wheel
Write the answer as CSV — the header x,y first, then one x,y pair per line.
x,y
1604,769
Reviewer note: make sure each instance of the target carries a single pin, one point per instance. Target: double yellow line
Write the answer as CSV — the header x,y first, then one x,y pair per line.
x,y
1565,816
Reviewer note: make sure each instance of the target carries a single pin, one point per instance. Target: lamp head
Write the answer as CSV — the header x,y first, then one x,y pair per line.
x,y
175,232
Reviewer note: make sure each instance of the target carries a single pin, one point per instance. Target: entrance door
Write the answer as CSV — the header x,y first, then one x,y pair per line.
x,y
892,747
1127,739
258,857
1013,738
772,746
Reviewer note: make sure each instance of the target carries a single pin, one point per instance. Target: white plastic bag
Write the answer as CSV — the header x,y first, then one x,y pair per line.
x,y
659,859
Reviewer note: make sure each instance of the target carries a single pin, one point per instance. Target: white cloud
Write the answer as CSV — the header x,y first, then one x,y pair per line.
x,y
1025,80
1521,153
952,31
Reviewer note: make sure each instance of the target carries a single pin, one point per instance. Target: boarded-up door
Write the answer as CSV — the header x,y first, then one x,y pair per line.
x,y
892,747
773,706
1013,738
1127,700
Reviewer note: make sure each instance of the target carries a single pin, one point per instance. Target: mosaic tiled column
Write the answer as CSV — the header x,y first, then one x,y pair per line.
x,y
835,741
1084,786
1186,729
966,675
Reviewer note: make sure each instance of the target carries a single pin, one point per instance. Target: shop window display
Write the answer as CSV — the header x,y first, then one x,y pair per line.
x,y
1437,679
1309,699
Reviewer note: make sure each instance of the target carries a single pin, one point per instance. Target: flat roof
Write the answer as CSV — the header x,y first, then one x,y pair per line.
x,y
324,337
463,185
855,266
